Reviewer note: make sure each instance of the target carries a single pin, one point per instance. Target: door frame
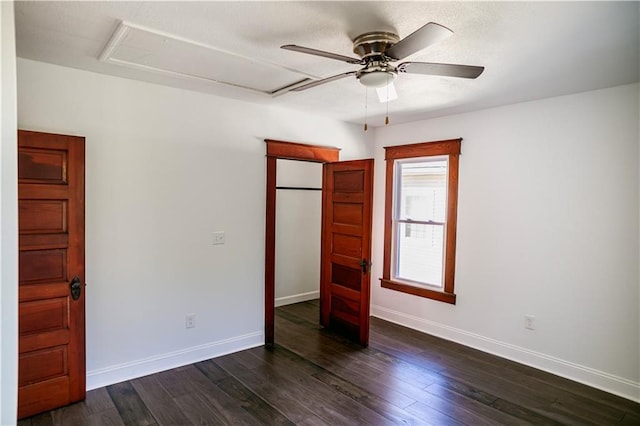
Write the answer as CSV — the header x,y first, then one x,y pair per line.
x,y
284,151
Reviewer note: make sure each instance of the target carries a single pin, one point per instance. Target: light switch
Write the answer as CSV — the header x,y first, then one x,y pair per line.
x,y
218,238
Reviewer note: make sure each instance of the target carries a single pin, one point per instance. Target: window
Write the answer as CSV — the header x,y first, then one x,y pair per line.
x,y
420,219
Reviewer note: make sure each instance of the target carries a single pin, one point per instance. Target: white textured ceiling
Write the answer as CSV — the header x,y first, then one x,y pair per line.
x,y
530,50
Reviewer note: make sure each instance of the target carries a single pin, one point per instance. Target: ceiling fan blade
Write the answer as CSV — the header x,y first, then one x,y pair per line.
x,y
323,81
322,53
448,70
284,89
423,37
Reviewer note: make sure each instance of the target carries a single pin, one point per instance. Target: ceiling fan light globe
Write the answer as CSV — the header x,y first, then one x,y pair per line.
x,y
376,78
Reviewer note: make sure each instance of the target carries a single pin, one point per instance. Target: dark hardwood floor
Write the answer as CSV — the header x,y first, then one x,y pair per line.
x,y
312,376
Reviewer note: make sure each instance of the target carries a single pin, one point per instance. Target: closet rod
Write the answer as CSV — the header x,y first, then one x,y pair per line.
x,y
299,188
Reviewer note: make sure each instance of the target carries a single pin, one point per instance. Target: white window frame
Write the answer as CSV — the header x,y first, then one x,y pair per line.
x,y
397,220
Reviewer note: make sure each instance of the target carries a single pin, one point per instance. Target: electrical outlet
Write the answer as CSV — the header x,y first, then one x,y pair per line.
x,y
191,321
529,322
218,238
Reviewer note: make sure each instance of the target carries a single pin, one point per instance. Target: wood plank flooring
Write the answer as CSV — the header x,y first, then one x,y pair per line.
x,y
314,377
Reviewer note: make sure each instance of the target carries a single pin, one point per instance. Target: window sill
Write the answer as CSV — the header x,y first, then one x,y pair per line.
x,y
419,291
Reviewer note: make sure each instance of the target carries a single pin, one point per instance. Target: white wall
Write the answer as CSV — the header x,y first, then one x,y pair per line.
x,y
164,169
8,220
548,223
298,223
547,226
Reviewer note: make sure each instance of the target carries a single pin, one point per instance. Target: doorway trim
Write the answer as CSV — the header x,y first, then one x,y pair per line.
x,y
284,151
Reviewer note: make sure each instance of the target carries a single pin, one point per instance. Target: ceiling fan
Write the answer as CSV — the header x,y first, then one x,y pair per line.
x,y
378,49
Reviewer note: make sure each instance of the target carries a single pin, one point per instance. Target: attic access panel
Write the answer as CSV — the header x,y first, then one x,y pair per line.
x,y
159,52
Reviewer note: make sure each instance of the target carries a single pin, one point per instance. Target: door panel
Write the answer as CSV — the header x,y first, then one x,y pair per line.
x,y
38,366
346,246
42,165
349,214
42,265
43,315
345,276
51,361
42,216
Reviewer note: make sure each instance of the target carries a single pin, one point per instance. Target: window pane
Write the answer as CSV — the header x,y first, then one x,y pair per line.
x,y
419,253
423,190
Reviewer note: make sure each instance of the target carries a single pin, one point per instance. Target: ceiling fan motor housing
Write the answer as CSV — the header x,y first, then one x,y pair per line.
x,y
374,43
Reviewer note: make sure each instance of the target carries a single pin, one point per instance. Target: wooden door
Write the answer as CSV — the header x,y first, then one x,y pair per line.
x,y
51,365
346,248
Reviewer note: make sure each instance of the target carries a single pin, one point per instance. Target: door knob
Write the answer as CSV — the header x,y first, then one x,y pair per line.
x,y
365,266
76,288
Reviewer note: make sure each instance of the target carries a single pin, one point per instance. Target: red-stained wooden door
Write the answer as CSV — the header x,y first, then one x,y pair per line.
x,y
51,365
346,248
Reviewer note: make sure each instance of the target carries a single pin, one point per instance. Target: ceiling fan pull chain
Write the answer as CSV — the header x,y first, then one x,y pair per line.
x,y
386,119
365,109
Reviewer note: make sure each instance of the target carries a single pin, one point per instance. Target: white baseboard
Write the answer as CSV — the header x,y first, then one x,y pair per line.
x,y
579,373
143,367
297,298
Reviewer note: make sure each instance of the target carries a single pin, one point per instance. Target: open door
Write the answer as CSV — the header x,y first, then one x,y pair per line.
x,y
346,248
51,365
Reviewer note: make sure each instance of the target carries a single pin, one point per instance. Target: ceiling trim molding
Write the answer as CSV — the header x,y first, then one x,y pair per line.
x,y
121,31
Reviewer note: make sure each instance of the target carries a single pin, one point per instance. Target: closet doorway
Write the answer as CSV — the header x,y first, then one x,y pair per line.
x,y
298,225
345,237
279,150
